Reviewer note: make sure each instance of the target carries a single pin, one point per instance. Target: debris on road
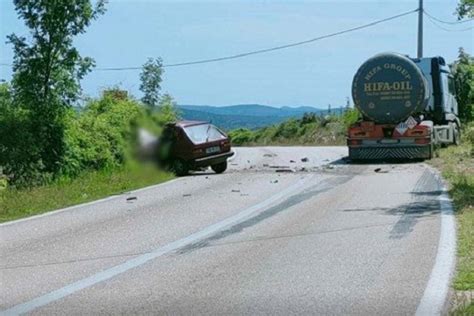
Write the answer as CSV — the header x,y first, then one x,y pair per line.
x,y
235,191
304,159
292,161
279,167
265,165
132,198
379,170
186,195
274,181
269,155
284,170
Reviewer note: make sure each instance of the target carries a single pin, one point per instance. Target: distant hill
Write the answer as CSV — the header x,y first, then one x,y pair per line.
x,y
250,116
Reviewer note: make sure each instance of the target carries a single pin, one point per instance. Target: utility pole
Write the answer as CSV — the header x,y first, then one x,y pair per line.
x,y
420,29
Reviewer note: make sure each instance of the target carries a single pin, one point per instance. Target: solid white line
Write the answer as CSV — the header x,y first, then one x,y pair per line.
x,y
142,259
436,292
70,208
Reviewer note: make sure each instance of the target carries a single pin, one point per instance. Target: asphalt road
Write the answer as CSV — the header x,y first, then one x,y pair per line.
x,y
272,235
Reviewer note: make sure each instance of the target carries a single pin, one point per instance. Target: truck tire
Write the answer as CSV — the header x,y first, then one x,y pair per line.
x,y
456,135
220,167
432,146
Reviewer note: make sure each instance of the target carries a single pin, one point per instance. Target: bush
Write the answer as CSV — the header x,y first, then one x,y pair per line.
x,y
241,136
101,136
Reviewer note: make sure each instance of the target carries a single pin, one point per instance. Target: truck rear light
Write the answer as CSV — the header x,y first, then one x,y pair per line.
x,y
360,134
422,141
416,132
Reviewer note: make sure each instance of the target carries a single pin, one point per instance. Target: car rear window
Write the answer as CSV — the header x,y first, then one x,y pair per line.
x,y
203,133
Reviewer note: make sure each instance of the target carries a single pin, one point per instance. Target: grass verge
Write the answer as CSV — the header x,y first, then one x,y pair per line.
x,y
15,204
457,166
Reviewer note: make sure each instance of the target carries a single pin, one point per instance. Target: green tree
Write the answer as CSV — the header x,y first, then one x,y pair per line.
x,y
47,70
168,111
463,72
465,9
150,78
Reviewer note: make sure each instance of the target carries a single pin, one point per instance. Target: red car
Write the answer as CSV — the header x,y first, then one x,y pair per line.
x,y
193,145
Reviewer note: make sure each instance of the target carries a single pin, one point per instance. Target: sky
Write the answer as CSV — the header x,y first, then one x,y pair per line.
x,y
316,74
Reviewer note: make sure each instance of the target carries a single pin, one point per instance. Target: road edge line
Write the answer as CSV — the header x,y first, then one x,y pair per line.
x,y
435,296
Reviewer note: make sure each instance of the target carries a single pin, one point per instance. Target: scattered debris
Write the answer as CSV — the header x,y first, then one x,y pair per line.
x,y
236,191
284,170
274,181
244,194
132,198
186,195
234,164
379,170
207,177
279,167
303,169
292,161
265,165
269,155
304,159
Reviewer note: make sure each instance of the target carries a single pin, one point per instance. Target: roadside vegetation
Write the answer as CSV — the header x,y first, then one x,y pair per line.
x,y
311,129
456,164
57,146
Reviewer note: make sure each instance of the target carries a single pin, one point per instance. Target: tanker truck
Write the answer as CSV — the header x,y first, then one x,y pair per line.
x,y
407,107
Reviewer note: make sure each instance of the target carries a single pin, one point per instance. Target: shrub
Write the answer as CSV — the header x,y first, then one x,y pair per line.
x,y
102,135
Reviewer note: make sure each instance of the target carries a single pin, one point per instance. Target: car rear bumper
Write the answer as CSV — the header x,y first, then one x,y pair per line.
x,y
212,160
390,152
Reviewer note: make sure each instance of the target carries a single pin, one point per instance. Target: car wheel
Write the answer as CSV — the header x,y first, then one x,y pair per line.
x,y
220,167
180,167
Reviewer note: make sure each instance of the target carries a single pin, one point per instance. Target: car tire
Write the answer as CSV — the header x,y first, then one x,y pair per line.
x,y
220,167
180,168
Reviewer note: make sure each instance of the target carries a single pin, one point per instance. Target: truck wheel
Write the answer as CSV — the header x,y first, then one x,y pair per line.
x,y
180,168
432,147
456,136
220,167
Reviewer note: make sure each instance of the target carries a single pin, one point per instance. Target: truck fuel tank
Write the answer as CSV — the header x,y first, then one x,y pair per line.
x,y
388,88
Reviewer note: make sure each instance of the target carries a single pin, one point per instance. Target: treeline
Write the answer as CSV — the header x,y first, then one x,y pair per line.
x,y
311,129
47,130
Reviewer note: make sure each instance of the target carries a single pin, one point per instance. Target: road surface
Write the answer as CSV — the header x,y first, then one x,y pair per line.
x,y
286,230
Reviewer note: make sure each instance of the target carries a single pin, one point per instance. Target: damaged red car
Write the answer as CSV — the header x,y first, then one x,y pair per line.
x,y
193,145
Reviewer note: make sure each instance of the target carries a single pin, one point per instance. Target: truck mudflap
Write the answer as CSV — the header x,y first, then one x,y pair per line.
x,y
390,152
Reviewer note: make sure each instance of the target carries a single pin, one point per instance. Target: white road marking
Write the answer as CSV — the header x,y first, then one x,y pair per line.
x,y
142,259
436,292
